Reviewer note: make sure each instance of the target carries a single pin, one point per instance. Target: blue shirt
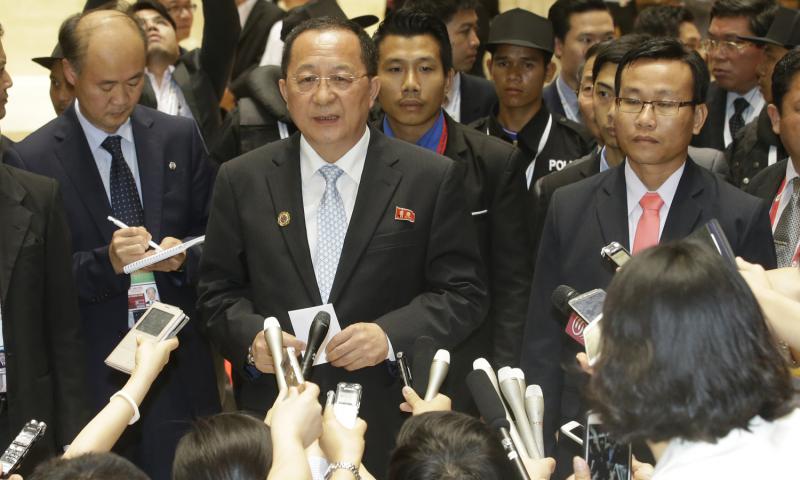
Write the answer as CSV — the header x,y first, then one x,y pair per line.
x,y
429,140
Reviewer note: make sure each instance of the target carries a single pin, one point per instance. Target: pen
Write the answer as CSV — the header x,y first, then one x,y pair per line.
x,y
122,225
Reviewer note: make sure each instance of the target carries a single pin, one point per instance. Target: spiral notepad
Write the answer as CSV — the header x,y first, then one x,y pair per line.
x,y
162,255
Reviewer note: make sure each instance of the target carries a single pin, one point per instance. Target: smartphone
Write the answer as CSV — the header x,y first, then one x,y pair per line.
x,y
607,458
574,431
616,254
591,340
294,375
346,402
15,453
405,371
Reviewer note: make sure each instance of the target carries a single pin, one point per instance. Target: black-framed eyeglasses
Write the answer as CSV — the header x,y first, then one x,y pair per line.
x,y
664,108
340,82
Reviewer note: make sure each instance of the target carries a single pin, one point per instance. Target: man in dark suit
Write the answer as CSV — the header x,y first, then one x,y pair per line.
x,y
41,346
189,84
734,99
257,22
150,170
470,97
339,214
415,71
659,194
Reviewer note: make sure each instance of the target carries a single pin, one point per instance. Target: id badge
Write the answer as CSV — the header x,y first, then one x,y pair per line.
x,y
3,385
142,294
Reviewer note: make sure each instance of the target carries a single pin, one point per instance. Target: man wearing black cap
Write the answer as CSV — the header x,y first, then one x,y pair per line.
x,y
521,44
61,91
415,70
756,146
190,84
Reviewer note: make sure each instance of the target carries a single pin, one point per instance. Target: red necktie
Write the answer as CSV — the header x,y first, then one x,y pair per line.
x,y
649,222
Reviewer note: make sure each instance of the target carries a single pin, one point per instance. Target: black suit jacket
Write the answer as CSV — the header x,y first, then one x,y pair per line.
x,y
253,41
552,99
175,204
712,135
477,98
748,154
412,279
766,183
586,216
41,326
202,74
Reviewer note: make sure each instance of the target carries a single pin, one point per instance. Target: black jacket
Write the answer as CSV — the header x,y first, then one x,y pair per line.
x,y
766,183
712,135
252,42
748,154
477,98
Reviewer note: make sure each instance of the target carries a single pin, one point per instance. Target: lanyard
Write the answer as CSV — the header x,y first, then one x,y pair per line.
x,y
442,140
773,216
542,143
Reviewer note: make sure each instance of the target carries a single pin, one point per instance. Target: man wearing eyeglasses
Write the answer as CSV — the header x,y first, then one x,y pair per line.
x,y
734,98
189,84
659,194
339,214
182,14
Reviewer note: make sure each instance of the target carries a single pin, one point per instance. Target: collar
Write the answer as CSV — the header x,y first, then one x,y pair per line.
x,y
791,173
603,162
753,97
164,81
244,11
352,162
569,99
452,103
636,189
430,139
95,136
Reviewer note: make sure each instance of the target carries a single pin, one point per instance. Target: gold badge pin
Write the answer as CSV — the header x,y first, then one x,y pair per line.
x,y
172,166
284,218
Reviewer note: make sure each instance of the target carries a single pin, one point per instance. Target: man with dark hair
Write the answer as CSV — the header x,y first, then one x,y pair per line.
x,y
189,84
658,194
521,44
734,99
149,170
756,146
181,14
62,93
577,24
669,21
470,97
339,214
414,70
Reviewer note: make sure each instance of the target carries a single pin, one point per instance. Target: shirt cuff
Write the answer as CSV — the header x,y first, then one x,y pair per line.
x,y
390,355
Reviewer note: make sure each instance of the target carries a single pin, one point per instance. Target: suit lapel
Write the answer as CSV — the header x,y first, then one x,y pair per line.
x,y
16,221
150,159
182,78
686,208
78,162
378,183
285,186
612,208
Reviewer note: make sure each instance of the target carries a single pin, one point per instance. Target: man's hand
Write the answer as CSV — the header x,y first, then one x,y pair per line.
x,y
583,361
170,264
262,355
540,469
342,444
417,406
296,417
127,246
358,346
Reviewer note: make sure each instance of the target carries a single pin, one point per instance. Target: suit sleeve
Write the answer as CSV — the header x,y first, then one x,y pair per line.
x,y
220,36
64,341
224,294
510,263
456,301
541,351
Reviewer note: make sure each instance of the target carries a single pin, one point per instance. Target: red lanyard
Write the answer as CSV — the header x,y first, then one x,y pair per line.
x,y
442,140
773,216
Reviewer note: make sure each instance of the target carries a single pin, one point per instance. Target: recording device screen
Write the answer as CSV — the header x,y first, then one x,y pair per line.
x,y
620,257
154,321
347,396
589,305
607,459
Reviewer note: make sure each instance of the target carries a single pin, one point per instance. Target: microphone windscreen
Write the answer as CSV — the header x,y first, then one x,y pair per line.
x,y
423,352
489,404
561,297
323,318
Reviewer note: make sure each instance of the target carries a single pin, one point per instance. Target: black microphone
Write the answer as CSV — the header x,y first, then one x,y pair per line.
x,y
561,297
316,334
491,408
422,356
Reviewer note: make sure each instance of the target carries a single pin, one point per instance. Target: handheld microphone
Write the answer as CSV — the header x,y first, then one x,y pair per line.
x,y
421,361
438,372
273,336
510,388
534,404
581,308
316,334
492,411
483,365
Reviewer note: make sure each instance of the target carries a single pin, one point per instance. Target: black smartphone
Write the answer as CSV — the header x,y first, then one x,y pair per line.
x,y
607,458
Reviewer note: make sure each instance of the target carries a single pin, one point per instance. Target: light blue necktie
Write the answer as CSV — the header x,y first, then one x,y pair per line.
x,y
331,229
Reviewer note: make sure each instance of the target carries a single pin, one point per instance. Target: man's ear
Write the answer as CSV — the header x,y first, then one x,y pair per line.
x,y
448,82
700,115
774,118
374,90
550,72
69,72
559,48
282,88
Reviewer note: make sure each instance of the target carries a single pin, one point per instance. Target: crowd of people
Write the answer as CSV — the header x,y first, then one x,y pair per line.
x,y
383,179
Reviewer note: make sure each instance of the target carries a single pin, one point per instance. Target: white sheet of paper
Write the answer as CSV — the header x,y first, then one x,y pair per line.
x,y
301,322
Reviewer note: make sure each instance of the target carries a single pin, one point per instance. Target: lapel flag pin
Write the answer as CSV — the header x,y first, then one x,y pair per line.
x,y
284,218
404,214
172,166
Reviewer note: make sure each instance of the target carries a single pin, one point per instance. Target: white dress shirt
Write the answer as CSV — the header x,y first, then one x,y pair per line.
x,y
636,190
756,101
452,103
767,451
786,194
244,10
274,47
169,96
102,158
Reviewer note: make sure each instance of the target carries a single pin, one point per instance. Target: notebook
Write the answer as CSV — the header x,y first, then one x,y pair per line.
x,y
162,255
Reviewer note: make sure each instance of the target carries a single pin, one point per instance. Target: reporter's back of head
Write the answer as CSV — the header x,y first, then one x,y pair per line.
x,y
227,446
90,466
448,446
